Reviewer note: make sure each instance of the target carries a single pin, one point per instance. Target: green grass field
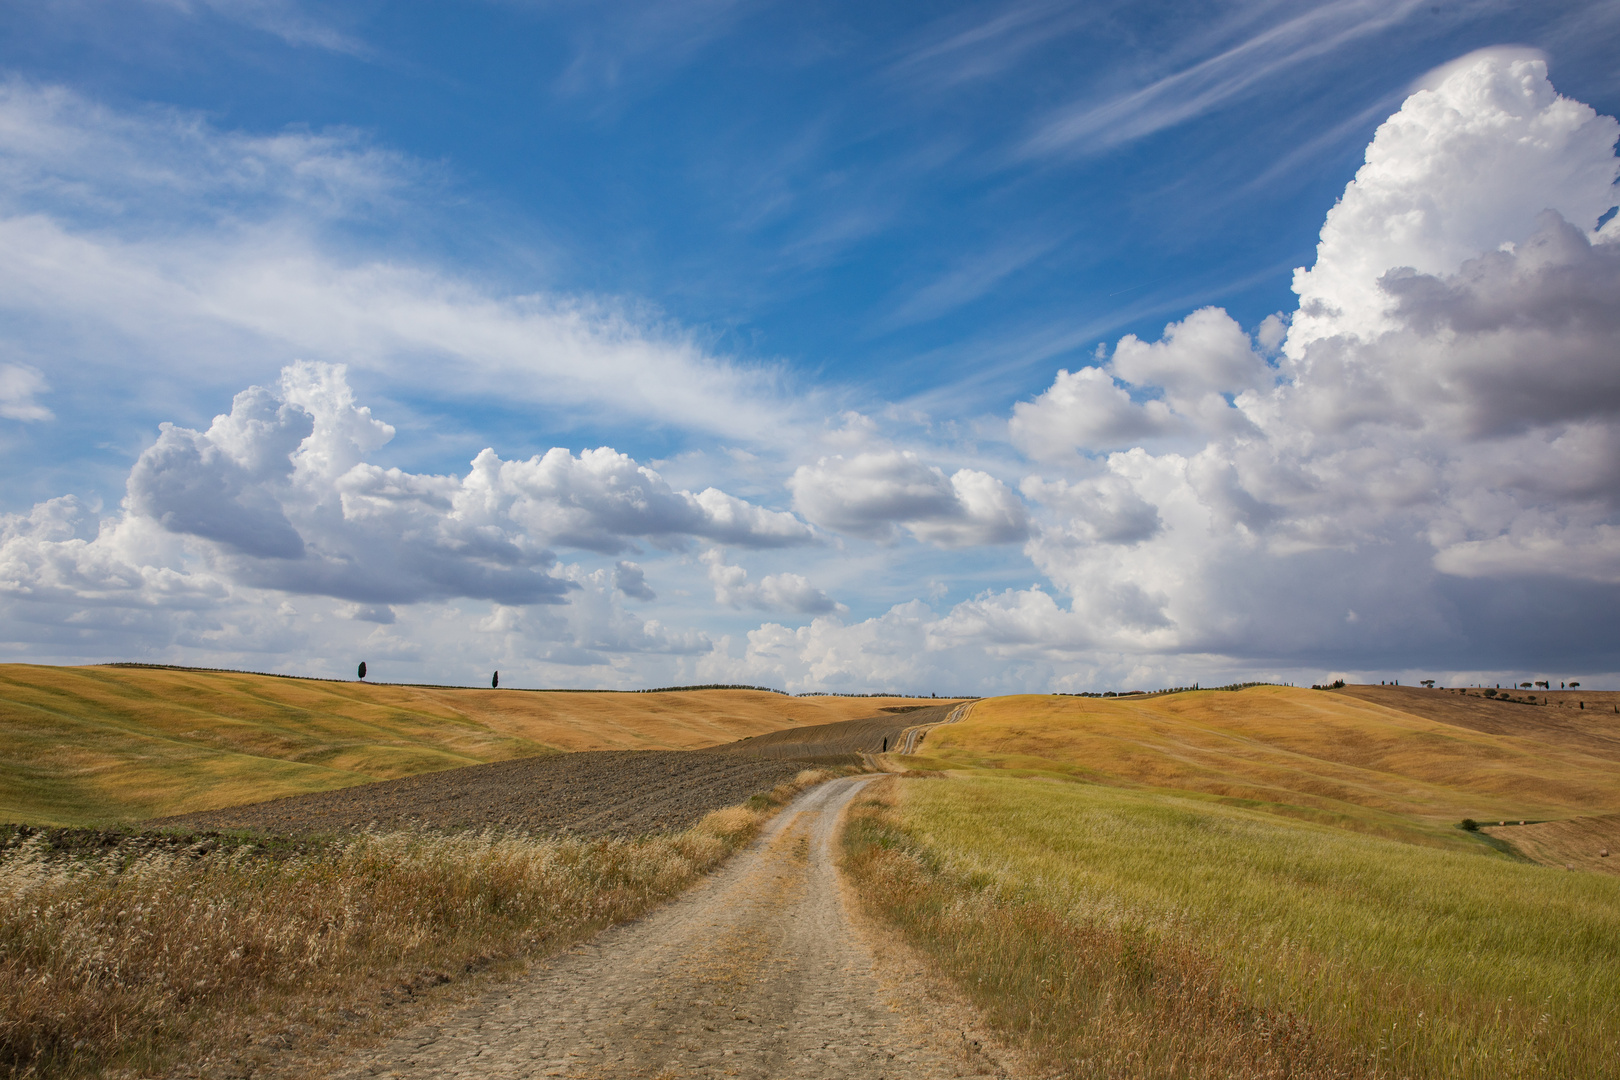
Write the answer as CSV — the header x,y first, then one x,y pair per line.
x,y
1207,886
1379,958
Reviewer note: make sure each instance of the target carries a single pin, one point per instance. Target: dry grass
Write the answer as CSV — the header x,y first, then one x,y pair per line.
x,y
1322,757
1131,934
95,745
1574,842
118,961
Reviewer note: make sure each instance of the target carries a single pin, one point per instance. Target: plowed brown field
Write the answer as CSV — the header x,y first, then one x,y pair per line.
x,y
595,793
1557,717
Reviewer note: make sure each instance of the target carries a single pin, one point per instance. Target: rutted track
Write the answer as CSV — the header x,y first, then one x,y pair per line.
x,y
754,974
913,736
595,793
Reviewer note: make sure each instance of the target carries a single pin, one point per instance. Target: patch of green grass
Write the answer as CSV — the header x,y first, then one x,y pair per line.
x,y
1377,957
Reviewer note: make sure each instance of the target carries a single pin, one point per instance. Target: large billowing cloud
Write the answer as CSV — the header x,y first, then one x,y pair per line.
x,y
1427,471
277,497
1444,418
1465,167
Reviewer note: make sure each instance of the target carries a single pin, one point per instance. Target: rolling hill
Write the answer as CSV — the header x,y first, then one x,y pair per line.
x,y
1402,763
102,744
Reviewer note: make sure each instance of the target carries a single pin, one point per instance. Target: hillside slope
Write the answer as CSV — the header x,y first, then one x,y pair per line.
x,y
92,745
1332,758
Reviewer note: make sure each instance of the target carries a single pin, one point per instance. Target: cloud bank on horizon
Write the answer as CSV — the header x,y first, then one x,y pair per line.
x,y
1418,465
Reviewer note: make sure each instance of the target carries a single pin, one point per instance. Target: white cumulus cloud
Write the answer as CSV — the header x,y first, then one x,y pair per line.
x,y
277,497
1441,429
773,592
875,493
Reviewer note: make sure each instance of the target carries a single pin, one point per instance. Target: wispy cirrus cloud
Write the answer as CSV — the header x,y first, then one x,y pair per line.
x,y
1089,126
284,19
959,50
226,254
970,279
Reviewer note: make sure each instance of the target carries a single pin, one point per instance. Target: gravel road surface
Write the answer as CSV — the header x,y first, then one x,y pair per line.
x,y
595,793
755,973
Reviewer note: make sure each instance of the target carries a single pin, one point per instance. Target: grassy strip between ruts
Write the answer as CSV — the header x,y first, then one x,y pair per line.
x,y
144,956
1126,934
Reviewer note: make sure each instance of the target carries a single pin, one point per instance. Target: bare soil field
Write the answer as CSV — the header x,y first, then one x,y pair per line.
x,y
845,739
1578,843
590,794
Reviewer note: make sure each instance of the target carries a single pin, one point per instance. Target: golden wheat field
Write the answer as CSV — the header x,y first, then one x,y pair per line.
x,y
95,745
1326,757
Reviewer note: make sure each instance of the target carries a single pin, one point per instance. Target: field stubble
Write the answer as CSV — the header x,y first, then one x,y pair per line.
x,y
111,962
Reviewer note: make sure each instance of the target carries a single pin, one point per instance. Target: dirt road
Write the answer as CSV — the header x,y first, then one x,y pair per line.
x,y
755,974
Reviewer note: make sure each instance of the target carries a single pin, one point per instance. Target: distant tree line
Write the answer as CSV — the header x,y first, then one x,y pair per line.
x,y
1166,690
711,686
888,693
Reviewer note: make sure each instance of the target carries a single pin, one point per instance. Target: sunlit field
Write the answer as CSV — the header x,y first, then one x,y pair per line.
x,y
1265,883
1322,757
1139,934
101,745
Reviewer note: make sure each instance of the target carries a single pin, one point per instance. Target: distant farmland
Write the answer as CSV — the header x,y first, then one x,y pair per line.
x,y
93,745
1360,759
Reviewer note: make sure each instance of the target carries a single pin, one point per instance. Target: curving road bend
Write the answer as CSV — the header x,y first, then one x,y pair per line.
x,y
755,973
914,735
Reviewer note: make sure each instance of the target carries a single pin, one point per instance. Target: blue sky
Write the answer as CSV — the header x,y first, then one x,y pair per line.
x,y
743,246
